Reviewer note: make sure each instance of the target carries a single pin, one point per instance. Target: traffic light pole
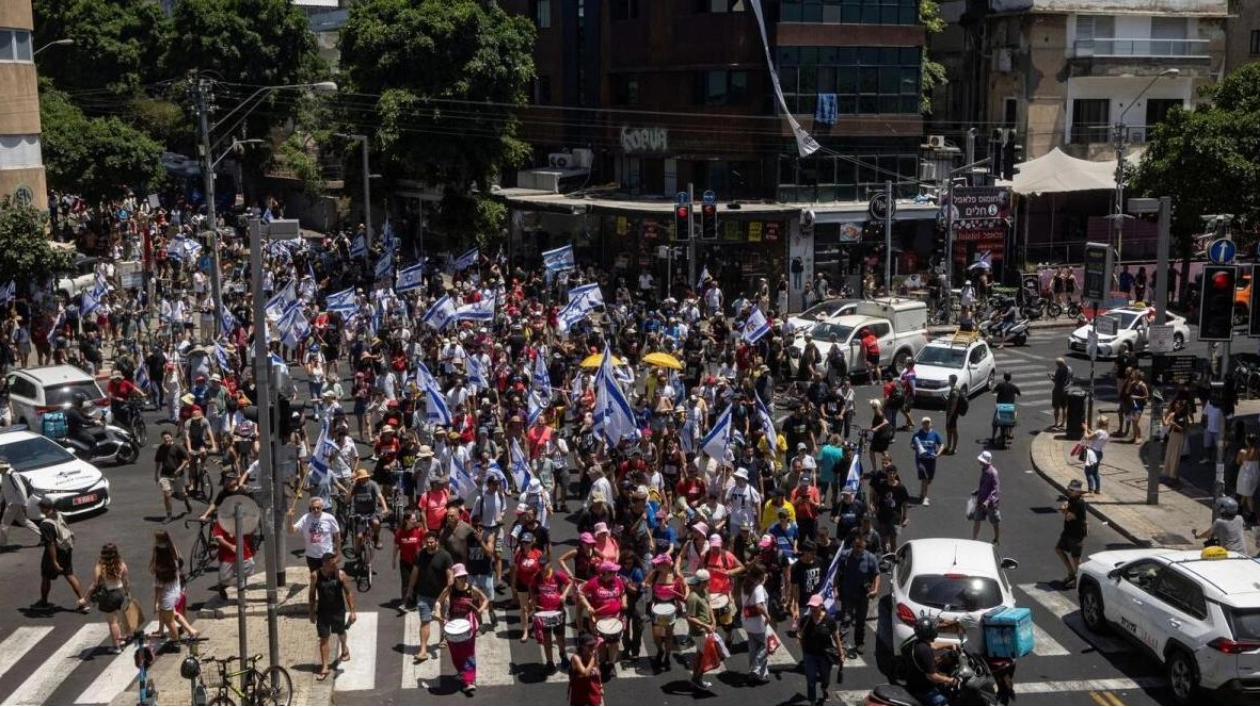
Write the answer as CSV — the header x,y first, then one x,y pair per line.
x,y
888,220
1163,244
691,238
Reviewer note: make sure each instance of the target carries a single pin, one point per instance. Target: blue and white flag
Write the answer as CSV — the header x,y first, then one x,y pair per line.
x,y
536,406
767,424
717,443
436,410
520,466
410,278
387,235
90,302
279,303
221,357
293,326
853,482
704,275
613,417
559,260
462,481
384,265
542,377
482,311
477,373
227,322
8,292
142,378
756,326
467,260
828,589
342,302
582,300
984,261
358,247
58,322
441,313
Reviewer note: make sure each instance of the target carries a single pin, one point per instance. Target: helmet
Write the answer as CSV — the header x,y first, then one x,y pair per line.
x,y
189,668
80,399
1227,507
925,628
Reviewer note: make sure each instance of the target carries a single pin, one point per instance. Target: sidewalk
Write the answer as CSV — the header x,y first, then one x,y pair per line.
x,y
1122,503
217,622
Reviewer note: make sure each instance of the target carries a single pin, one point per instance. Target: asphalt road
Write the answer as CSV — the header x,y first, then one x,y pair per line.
x,y
65,651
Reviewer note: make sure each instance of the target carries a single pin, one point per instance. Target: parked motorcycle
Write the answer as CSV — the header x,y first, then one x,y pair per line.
x,y
1016,335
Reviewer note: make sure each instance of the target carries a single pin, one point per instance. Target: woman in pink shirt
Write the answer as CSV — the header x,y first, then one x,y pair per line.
x,y
605,545
604,597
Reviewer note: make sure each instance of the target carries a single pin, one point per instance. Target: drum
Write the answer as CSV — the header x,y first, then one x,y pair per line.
x,y
550,619
723,609
457,630
609,629
664,614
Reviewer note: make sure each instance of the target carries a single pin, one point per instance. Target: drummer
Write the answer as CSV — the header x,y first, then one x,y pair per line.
x,y
604,597
667,592
464,602
547,595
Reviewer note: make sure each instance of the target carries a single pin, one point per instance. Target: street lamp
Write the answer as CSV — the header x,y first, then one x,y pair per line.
x,y
367,181
55,43
1121,137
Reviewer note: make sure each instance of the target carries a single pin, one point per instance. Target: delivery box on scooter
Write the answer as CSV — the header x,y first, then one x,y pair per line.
x,y
1008,632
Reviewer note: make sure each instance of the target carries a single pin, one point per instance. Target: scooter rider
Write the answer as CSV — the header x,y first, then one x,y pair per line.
x,y
923,678
78,423
1006,392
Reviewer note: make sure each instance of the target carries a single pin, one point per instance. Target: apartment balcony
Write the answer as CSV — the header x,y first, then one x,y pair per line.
x,y
1099,133
1141,48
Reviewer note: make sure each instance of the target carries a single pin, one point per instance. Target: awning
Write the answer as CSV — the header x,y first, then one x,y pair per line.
x,y
1056,172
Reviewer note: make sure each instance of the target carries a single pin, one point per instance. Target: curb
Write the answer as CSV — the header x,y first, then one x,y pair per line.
x,y
1093,509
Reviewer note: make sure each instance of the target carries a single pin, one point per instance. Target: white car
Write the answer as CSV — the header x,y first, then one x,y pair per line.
x,y
1131,324
1196,612
35,391
945,578
969,358
822,311
49,471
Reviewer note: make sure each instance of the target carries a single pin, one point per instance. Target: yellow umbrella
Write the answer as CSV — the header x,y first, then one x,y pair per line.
x,y
594,360
662,360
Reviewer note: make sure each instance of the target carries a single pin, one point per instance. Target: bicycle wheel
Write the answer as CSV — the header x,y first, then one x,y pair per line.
x,y
139,430
200,552
222,699
207,486
364,579
274,687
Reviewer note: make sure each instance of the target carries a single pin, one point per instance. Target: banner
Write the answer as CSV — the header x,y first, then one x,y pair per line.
x,y
805,145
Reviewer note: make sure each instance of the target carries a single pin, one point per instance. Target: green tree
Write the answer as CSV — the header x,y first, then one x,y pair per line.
x,y
117,44
933,72
93,157
27,256
436,84
1208,160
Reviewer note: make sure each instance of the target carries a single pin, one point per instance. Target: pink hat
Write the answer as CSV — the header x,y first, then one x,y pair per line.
x,y
661,559
766,541
816,600
458,570
701,528
601,528
587,539
609,567
715,540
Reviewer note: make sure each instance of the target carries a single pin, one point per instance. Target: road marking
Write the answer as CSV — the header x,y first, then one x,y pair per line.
x,y
18,643
1044,643
1112,698
116,677
414,675
360,672
45,680
1060,605
1102,685
494,659
1099,700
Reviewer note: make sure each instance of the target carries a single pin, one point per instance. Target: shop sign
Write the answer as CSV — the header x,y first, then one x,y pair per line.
x,y
649,228
730,231
980,207
773,229
754,231
850,233
644,140
623,225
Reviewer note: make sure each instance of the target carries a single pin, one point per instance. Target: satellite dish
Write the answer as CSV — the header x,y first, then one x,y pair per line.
x,y
251,514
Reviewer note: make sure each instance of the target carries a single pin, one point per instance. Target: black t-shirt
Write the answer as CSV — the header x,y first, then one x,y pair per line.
x,y
1075,527
225,493
478,562
1006,392
169,457
431,569
807,577
889,501
817,637
796,430
921,664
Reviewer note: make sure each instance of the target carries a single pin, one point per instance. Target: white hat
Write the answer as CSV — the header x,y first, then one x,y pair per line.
x,y
535,486
985,458
741,474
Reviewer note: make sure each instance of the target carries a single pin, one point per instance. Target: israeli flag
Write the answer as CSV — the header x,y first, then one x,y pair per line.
x,y
542,378
325,448
142,378
767,424
436,410
477,373
279,303
293,326
467,260
358,247
756,327
221,357
582,300
91,301
227,322
704,275
410,278
387,235
984,261
482,311
559,260
441,313
8,292
385,265
520,466
342,302
536,407
853,481
278,363
828,590
717,443
614,419
462,481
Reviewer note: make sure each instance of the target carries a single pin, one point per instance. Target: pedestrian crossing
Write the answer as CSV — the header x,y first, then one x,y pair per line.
x,y
1030,367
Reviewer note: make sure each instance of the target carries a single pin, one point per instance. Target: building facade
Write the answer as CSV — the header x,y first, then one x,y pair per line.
x,y
21,162
1243,30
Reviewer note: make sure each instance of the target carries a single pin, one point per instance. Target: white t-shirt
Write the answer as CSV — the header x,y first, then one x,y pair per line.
x,y
755,623
317,532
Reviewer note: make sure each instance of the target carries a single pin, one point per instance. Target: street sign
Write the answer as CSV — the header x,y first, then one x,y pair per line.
x,y
1222,251
1179,367
684,198
1098,266
1106,326
1159,338
879,206
1091,344
709,197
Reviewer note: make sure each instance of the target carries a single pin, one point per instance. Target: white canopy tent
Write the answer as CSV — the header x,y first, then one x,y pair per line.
x,y
1056,172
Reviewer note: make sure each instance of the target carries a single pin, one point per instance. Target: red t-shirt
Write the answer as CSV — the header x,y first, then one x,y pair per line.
x,y
549,590
718,562
408,542
226,555
605,599
528,566
433,506
691,489
800,501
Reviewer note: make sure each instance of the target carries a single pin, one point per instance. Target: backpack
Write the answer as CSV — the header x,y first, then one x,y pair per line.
x,y
963,405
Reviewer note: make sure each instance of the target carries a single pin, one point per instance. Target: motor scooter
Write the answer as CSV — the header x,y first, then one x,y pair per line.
x,y
111,443
1016,334
979,683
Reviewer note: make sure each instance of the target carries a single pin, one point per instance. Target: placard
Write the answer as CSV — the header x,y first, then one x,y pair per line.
x,y
1159,338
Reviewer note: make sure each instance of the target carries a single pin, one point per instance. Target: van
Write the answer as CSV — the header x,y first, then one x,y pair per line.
x,y
35,391
906,314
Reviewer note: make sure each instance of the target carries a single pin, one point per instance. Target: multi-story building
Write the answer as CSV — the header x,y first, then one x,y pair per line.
x,y
1243,34
21,163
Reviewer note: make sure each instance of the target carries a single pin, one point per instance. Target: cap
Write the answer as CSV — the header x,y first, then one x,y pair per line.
x,y
1074,485
328,394
535,486
816,600
985,458
765,541
661,559
801,446
387,428
609,567
701,528
527,537
701,575
587,539
458,570
715,540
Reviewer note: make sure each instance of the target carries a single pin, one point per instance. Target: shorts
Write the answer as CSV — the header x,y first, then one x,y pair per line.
x,y
888,531
927,469
330,624
227,570
64,558
993,515
169,596
425,606
172,485
872,359
1058,398
1070,545
314,563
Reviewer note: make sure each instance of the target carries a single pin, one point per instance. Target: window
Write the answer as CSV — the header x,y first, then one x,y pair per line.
x,y
541,13
625,9
1091,120
870,12
721,87
625,90
1157,110
716,6
865,80
1255,42
15,45
1141,574
542,90
1091,27
1181,593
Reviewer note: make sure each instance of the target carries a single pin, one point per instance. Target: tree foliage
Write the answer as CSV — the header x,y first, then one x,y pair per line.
x,y
933,75
27,256
1208,159
435,85
93,157
117,43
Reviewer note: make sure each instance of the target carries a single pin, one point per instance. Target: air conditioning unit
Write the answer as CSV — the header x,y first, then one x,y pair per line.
x,y
936,142
807,218
583,158
560,160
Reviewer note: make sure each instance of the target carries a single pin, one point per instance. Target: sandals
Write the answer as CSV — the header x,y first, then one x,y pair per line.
x,y
321,675
422,656
1069,583
345,658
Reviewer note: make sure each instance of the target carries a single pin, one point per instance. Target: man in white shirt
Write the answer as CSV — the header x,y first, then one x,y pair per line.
x,y
320,533
13,491
647,285
713,299
742,501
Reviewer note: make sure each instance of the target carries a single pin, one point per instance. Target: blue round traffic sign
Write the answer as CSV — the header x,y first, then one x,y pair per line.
x,y
1222,251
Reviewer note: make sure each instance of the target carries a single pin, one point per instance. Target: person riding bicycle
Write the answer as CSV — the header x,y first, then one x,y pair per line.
x,y
923,677
199,441
366,500
1006,392
120,390
79,423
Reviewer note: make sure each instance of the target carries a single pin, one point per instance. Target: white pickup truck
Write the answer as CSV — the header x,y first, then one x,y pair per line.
x,y
900,325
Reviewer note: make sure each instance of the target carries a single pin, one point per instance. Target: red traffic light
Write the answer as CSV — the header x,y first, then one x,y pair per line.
x,y
682,212
1221,281
708,209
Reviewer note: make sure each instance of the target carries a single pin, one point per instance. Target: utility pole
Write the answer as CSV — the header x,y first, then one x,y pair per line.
x,y
888,220
1122,142
202,95
691,237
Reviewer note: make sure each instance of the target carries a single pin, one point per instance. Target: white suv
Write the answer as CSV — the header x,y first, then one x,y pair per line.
x,y
1198,613
35,391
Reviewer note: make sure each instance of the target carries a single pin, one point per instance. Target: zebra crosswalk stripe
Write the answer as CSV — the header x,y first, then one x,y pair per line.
x,y
45,680
360,672
1058,605
18,643
115,678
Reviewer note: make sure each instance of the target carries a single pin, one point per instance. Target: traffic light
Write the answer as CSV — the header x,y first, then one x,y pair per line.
x,y
1253,303
997,142
708,222
682,222
1011,155
1216,303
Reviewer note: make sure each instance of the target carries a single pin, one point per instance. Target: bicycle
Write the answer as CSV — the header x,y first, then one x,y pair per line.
x,y
273,688
367,550
135,420
199,476
202,549
144,660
